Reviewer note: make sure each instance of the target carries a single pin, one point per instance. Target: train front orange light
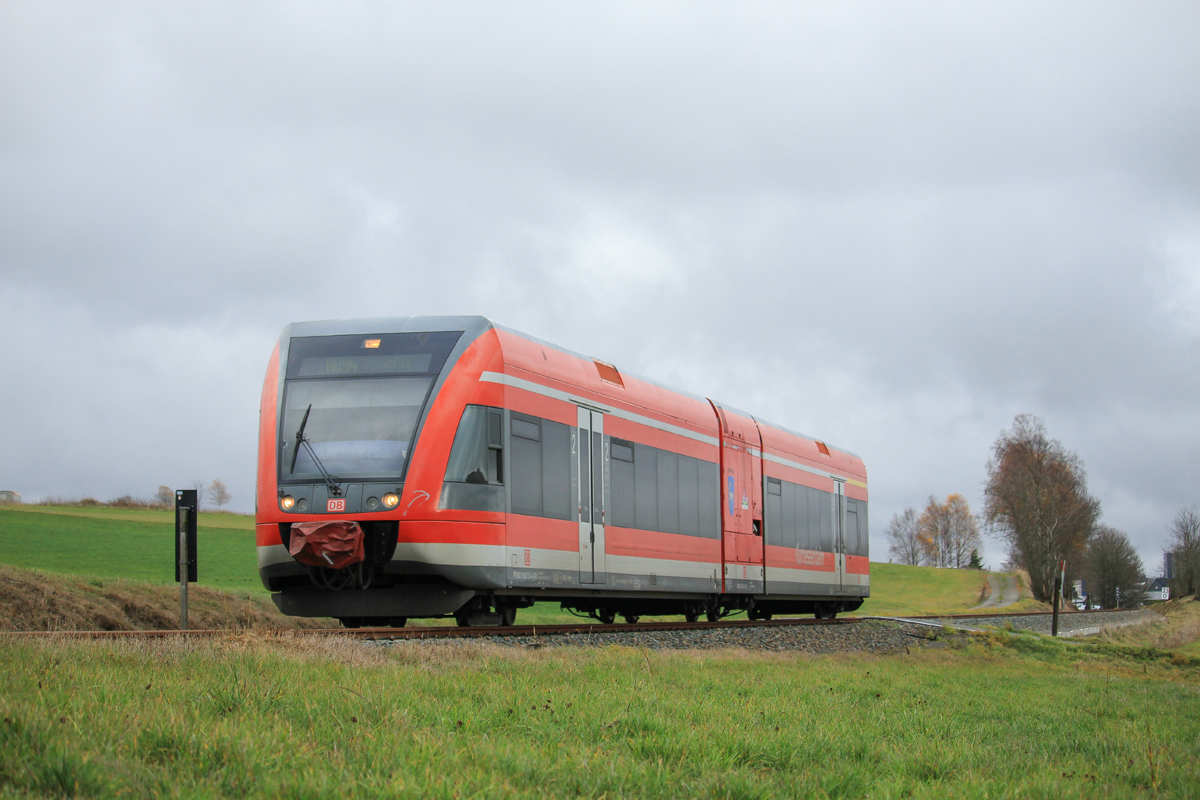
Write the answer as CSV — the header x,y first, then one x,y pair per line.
x,y
391,500
286,502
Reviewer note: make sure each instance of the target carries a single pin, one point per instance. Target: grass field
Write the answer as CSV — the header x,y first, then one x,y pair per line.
x,y
251,716
138,545
127,543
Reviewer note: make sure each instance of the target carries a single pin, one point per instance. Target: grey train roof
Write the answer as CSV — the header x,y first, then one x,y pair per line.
x,y
475,326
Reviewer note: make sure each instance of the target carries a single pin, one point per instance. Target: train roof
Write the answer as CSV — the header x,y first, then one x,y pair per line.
x,y
475,326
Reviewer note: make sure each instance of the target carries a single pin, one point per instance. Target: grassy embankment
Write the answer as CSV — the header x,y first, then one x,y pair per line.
x,y
125,558
1178,630
252,716
900,590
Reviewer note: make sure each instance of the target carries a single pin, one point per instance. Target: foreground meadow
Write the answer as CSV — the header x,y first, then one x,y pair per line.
x,y
282,716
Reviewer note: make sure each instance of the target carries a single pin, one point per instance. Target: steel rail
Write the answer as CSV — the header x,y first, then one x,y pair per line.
x,y
454,632
448,631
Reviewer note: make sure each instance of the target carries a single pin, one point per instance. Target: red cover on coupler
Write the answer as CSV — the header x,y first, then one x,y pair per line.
x,y
327,544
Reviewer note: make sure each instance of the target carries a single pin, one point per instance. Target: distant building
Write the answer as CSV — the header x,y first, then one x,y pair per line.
x,y
1158,589
10,497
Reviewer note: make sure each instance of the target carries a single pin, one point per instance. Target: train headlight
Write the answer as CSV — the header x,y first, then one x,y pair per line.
x,y
286,502
391,499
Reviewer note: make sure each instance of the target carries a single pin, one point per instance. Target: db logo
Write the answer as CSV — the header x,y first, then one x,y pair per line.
x,y
338,504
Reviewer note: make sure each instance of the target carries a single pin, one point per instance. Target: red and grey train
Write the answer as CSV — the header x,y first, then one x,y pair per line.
x,y
451,466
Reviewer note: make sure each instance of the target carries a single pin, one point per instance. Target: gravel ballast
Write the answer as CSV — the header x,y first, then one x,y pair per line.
x,y
871,636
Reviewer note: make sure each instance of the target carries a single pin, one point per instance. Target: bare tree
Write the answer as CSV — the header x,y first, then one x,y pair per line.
x,y
1113,574
1185,547
201,487
1037,502
948,532
904,538
165,496
217,492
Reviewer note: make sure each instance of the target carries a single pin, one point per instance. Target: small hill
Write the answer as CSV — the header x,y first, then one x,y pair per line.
x,y
901,590
32,600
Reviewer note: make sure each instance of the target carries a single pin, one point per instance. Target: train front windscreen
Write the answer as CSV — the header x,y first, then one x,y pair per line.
x,y
351,403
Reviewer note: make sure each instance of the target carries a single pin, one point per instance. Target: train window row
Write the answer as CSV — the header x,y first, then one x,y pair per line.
x,y
650,489
657,490
800,516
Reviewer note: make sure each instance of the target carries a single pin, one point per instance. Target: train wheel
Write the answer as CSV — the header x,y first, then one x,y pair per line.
x,y
350,622
508,617
397,622
692,615
631,618
462,620
712,615
606,617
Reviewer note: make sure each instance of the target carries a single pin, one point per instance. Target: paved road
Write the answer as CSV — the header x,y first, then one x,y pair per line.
x,y
1004,590
1074,623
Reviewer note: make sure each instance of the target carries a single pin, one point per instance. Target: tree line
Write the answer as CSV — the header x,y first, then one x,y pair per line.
x,y
1037,503
213,492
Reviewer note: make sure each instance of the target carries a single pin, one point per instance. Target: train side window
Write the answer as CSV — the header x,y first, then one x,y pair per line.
x,y
689,497
710,500
473,456
803,538
668,492
556,470
526,481
622,478
645,492
774,503
787,537
826,508
815,498
851,528
864,533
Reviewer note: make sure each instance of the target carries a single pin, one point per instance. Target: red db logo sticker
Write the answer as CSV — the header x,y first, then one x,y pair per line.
x,y
333,505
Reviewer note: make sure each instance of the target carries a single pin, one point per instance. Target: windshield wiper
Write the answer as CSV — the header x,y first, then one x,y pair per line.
x,y
335,488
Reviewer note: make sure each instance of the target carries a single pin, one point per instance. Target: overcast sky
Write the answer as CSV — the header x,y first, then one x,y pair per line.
x,y
894,226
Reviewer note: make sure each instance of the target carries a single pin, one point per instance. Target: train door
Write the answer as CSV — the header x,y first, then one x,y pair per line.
x,y
740,518
590,481
839,532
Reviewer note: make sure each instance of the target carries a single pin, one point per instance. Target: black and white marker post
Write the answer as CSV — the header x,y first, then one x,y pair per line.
x,y
185,548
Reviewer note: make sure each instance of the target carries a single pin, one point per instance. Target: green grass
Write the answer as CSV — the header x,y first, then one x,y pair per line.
x,y
124,543
1008,716
898,589
139,545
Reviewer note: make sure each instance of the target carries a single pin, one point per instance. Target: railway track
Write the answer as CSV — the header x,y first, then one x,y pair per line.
x,y
523,631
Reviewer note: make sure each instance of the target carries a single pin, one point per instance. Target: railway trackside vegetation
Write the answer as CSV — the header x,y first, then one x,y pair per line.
x,y
136,546
995,715
1178,630
33,600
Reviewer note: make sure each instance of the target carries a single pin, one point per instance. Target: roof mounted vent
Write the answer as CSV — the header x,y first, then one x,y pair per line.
x,y
824,450
609,374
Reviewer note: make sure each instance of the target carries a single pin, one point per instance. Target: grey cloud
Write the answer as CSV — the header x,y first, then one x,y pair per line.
x,y
893,227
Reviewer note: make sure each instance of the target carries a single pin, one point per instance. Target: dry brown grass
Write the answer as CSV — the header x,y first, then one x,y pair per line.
x,y
1179,628
31,600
